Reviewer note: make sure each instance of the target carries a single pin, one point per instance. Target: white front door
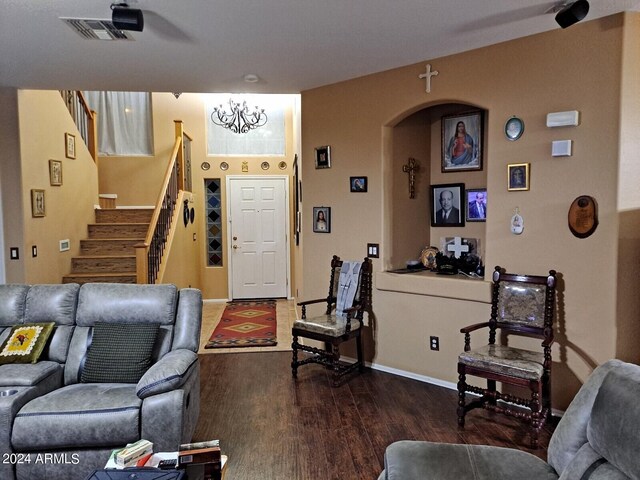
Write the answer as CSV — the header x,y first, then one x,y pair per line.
x,y
258,226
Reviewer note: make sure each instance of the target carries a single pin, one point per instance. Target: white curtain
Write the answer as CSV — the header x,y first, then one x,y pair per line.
x,y
124,122
266,140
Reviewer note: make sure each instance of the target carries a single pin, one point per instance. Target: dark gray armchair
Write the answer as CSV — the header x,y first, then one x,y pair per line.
x,y
597,438
80,422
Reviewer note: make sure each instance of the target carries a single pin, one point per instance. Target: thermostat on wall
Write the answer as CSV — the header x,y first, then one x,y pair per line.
x,y
65,245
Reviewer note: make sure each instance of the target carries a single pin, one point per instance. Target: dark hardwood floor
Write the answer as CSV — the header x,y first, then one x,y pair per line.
x,y
273,427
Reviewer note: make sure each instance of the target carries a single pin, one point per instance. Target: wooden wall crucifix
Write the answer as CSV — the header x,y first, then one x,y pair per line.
x,y
411,168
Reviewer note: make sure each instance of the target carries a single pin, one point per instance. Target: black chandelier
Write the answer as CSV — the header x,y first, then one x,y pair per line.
x,y
240,120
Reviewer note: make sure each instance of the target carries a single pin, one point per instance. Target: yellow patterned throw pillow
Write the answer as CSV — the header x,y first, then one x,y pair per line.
x,y
25,343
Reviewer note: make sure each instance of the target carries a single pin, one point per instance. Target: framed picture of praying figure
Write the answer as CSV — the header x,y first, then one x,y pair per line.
x,y
462,141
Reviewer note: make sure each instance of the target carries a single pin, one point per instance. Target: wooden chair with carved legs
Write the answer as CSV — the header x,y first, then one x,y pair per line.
x,y
520,305
349,297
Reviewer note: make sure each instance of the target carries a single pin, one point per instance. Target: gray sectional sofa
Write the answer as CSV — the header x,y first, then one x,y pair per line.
x,y
596,439
59,422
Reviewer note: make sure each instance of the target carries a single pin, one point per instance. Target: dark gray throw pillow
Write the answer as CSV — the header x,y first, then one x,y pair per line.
x,y
119,352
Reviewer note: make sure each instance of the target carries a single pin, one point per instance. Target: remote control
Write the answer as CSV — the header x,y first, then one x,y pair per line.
x,y
167,464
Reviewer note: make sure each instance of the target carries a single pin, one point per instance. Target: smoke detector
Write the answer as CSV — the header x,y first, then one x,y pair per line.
x,y
96,29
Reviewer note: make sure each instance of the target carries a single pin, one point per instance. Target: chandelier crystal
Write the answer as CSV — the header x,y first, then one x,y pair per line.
x,y
240,120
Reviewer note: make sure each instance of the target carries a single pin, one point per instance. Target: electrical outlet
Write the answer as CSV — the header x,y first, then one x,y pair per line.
x,y
434,343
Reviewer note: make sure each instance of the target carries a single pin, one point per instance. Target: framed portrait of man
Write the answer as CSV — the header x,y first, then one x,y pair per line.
x,y
476,204
462,141
446,205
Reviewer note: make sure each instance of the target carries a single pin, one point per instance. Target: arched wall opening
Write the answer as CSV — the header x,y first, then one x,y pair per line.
x,y
417,134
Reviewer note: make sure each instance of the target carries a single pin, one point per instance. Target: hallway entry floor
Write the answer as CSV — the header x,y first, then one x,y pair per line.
x,y
212,312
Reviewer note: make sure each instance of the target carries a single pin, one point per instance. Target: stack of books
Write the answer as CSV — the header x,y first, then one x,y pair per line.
x,y
203,456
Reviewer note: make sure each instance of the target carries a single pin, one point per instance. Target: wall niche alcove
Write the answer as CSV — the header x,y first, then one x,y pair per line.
x,y
418,136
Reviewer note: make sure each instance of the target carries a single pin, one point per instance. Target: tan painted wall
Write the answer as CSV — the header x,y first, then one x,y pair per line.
x,y
182,265
629,197
11,184
43,121
629,193
529,77
118,174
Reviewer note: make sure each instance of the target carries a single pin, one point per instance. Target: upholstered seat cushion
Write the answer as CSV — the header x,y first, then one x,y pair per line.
x,y
28,374
91,415
504,360
410,460
326,324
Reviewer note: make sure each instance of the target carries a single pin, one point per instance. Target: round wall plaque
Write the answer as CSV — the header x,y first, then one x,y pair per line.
x,y
583,216
514,128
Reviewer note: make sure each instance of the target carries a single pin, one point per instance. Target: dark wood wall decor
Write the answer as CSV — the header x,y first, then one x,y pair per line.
x,y
583,216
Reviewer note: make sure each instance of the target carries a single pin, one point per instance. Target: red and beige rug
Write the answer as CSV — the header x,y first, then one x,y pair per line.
x,y
246,324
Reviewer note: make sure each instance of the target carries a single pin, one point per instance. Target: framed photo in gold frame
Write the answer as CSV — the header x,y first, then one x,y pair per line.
x,y
55,173
517,176
37,203
69,145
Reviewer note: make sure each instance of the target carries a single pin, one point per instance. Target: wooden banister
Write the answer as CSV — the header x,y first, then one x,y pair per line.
x,y
149,253
86,120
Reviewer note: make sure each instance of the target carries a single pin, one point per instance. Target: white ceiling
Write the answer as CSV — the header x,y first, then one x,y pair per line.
x,y
292,45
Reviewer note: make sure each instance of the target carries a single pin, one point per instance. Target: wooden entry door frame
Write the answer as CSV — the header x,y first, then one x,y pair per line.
x,y
236,247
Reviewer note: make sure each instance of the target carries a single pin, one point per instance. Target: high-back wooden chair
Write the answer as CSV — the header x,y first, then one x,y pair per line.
x,y
349,297
520,305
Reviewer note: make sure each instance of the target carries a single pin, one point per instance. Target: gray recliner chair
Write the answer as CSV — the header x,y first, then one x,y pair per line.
x,y
596,439
79,424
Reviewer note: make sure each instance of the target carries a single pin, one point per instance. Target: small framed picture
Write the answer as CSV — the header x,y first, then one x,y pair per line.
x,y
37,203
446,205
462,137
323,157
70,145
322,219
55,172
514,128
517,176
358,184
476,200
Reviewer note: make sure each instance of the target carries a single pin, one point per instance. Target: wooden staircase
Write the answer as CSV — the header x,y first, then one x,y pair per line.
x,y
108,255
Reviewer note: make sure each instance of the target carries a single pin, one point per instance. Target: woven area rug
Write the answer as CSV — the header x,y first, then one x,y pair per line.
x,y
246,324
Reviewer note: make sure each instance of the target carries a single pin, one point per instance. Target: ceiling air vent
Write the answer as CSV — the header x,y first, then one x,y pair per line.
x,y
93,29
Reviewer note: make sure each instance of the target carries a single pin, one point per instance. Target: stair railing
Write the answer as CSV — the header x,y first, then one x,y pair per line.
x,y
84,118
149,253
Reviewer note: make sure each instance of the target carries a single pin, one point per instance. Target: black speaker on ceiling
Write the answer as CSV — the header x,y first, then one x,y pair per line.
x,y
572,13
125,18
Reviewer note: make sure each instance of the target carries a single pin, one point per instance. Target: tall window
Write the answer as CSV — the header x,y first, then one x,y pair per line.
x,y
268,139
213,207
124,122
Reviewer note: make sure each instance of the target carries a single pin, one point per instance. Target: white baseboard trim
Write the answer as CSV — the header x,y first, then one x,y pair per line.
x,y
215,300
404,373
424,378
